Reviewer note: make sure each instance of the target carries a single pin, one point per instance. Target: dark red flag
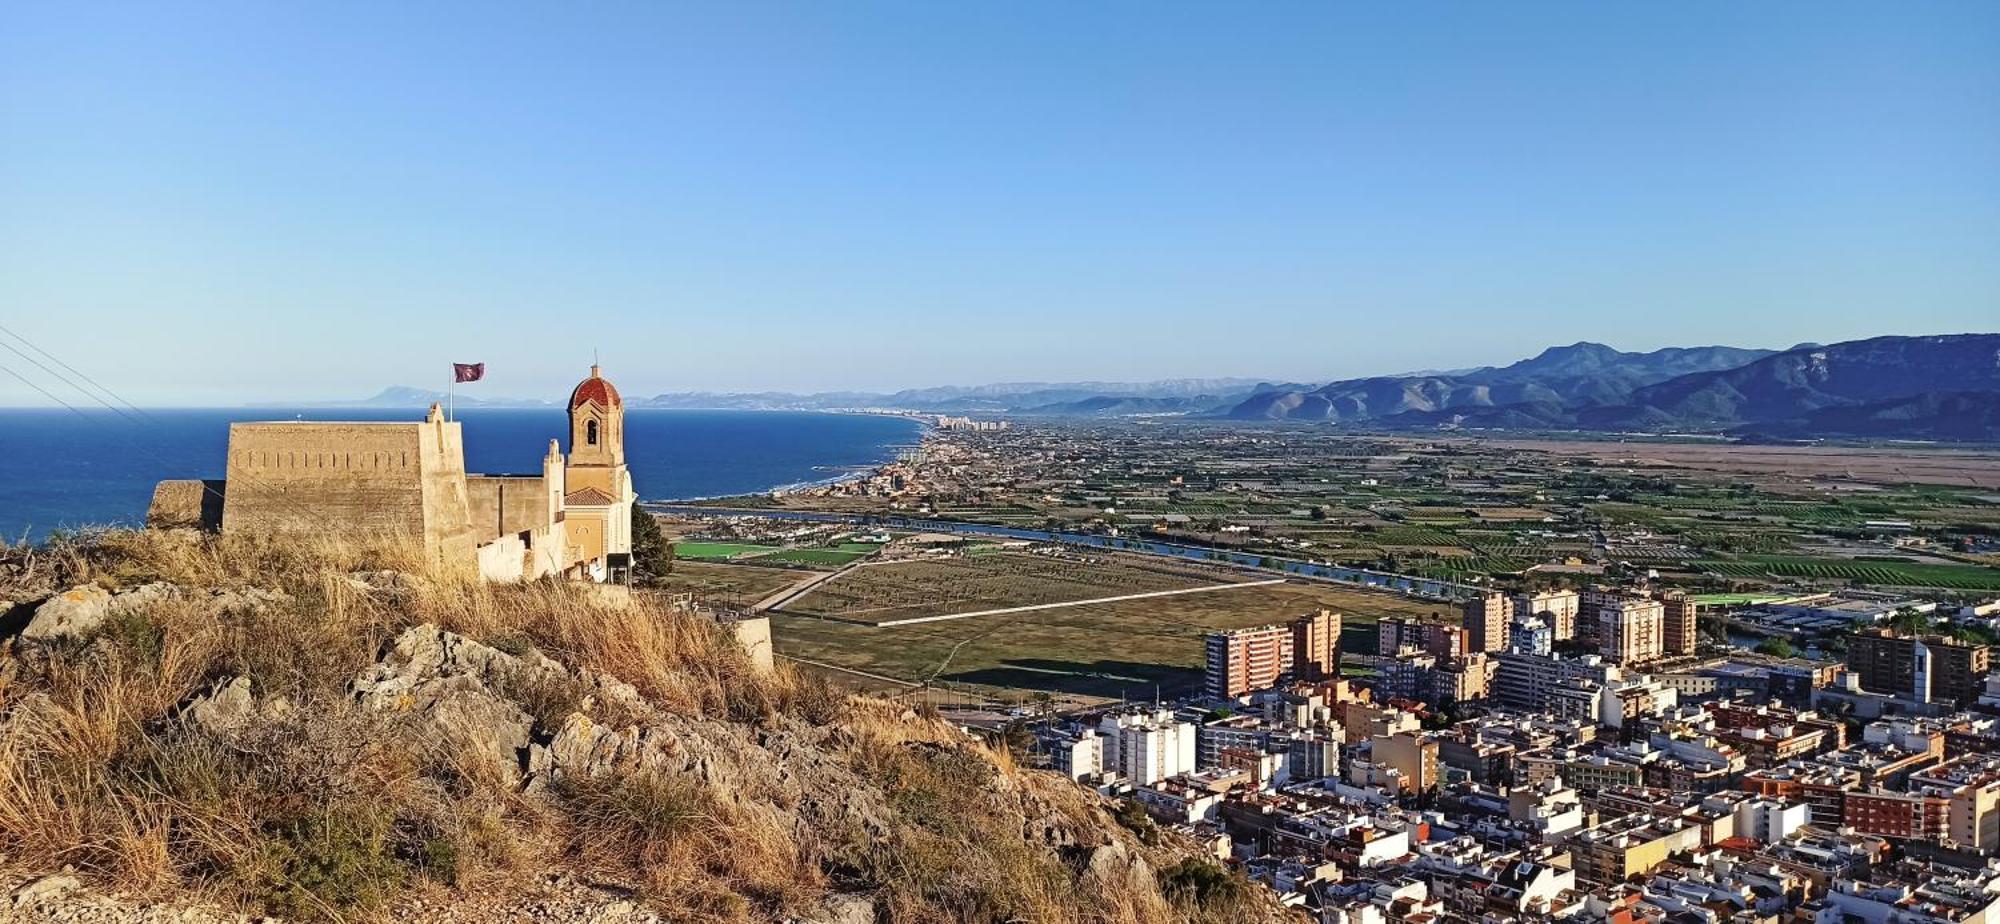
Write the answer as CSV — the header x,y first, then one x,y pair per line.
x,y
468,372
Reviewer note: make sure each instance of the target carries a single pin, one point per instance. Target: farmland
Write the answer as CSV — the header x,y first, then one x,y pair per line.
x,y
931,587
1098,650
827,557
1707,516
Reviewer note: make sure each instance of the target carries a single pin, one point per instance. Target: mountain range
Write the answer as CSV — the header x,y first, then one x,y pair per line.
x,y
1929,387
1936,387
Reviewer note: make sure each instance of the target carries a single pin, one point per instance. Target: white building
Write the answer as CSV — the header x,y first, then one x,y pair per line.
x,y
1147,745
1078,755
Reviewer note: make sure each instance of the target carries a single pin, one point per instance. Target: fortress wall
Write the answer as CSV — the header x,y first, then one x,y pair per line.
x,y
504,505
186,504
353,479
446,510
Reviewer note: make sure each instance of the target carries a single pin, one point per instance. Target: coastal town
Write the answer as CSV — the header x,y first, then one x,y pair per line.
x,y
1581,702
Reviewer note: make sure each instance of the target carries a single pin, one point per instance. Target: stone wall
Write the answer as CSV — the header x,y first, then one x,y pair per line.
x,y
186,504
363,481
506,505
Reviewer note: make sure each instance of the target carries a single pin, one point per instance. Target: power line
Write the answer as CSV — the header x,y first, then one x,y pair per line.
x,y
165,463
74,371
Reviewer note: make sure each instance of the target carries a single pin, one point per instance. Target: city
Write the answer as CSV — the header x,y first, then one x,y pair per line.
x,y
1606,723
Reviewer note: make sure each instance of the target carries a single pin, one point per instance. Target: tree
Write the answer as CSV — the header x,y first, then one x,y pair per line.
x,y
1776,647
652,554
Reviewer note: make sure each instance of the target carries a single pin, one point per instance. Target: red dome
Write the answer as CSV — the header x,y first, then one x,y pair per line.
x,y
596,388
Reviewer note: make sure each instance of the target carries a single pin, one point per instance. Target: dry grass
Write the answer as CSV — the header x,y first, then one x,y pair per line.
x,y
320,808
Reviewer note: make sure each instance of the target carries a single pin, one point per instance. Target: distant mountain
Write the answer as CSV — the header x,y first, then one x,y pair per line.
x,y
1938,387
400,396
1048,398
1130,406
1168,396
1581,374
1848,381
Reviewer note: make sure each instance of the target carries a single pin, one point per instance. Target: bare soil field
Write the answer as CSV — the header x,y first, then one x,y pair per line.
x,y
1978,468
730,586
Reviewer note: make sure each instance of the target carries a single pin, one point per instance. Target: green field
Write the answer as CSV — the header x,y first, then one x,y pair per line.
x,y
1900,574
719,551
1100,650
834,557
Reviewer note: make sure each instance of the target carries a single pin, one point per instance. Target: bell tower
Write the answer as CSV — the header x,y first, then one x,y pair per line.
x,y
596,423
597,488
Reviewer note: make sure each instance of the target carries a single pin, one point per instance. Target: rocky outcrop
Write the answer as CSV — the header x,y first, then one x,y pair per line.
x,y
82,611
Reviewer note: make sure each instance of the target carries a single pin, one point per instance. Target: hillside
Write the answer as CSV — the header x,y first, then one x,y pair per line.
x,y
1578,375
192,727
1798,383
1939,387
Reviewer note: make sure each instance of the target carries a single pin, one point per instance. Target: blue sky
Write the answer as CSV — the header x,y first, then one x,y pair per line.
x,y
219,203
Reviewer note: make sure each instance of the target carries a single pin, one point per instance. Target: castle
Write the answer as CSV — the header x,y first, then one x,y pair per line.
x,y
370,480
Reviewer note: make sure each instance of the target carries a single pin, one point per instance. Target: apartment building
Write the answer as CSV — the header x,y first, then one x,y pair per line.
x,y
1145,746
1486,619
1559,607
1680,632
1923,669
1631,630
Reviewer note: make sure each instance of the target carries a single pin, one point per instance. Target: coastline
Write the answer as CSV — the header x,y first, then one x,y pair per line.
x,y
926,431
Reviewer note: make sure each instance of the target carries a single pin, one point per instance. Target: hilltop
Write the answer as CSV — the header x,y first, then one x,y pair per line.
x,y
194,726
1935,387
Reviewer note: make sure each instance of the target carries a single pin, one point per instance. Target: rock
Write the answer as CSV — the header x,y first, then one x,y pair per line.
x,y
225,707
841,908
74,613
36,891
81,611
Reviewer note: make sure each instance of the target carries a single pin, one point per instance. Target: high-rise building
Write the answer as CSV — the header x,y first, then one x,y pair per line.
x,y
1530,635
1398,635
1679,628
1316,646
1630,630
1558,606
1414,755
1925,669
1590,610
1148,745
1447,641
1523,681
1242,661
1486,618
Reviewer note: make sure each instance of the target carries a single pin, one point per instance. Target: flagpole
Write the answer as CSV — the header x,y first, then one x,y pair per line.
x,y
451,394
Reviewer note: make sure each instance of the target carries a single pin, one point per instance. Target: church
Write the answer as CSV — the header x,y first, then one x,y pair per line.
x,y
377,480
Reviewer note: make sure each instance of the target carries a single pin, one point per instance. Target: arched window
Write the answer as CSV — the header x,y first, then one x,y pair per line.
x,y
590,432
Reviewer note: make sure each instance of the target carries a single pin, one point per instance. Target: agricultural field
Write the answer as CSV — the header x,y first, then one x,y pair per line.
x,y
1863,571
1101,650
959,584
727,586
1710,517
829,557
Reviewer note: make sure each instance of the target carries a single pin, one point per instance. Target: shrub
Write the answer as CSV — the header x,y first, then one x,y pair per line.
x,y
328,862
1203,886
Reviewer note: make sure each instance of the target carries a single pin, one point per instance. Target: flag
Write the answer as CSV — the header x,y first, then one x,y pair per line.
x,y
468,372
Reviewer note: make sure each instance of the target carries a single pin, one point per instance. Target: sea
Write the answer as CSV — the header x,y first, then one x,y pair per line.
x,y
63,470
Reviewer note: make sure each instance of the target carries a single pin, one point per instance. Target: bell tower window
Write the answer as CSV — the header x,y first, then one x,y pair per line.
x,y
590,432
